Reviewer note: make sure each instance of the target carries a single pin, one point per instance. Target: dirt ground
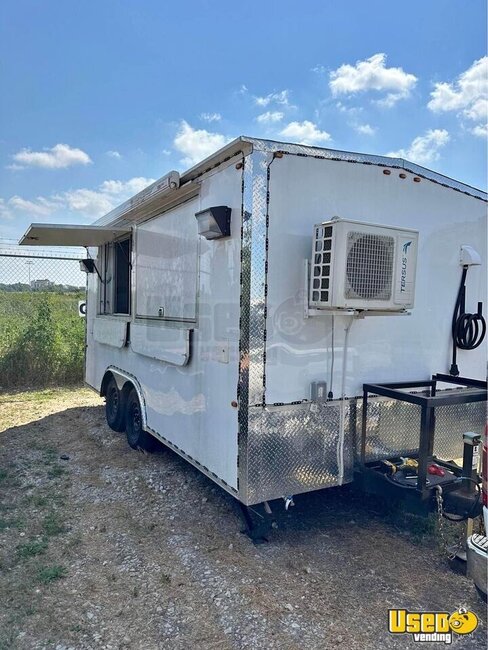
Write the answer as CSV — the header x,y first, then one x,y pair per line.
x,y
105,547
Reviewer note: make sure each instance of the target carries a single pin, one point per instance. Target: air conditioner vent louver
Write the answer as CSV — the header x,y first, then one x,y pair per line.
x,y
369,267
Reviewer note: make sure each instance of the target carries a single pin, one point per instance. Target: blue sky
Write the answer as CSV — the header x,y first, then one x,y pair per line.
x,y
100,98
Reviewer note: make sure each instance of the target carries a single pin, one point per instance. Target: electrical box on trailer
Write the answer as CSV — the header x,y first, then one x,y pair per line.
x,y
357,265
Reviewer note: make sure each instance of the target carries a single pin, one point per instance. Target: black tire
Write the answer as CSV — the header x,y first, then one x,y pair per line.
x,y
136,436
114,406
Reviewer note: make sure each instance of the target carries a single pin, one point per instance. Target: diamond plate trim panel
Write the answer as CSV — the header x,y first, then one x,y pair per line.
x,y
257,308
450,424
253,317
293,449
244,322
393,428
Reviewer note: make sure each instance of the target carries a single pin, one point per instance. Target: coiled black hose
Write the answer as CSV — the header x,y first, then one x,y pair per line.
x,y
468,330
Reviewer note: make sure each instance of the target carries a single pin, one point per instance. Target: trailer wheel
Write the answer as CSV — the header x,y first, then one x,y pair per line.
x,y
136,436
114,406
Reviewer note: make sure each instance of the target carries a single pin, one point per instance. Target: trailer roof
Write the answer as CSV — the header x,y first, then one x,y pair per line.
x,y
176,185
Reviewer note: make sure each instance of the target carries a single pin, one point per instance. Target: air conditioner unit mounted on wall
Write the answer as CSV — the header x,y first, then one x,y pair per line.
x,y
362,266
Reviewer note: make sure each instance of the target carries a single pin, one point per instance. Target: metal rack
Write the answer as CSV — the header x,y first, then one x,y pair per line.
x,y
427,402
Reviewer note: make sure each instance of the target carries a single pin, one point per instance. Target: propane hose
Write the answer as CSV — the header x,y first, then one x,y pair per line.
x,y
468,330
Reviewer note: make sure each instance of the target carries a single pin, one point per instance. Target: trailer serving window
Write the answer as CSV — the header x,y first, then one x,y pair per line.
x,y
166,262
115,283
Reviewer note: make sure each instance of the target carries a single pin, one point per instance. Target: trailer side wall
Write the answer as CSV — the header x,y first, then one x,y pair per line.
x,y
189,405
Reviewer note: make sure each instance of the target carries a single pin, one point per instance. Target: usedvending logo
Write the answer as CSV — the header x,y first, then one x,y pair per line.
x,y
432,626
403,280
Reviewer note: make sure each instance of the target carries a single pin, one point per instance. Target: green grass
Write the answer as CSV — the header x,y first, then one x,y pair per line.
x,y
20,396
76,627
53,525
36,500
56,471
31,549
16,522
49,454
49,574
7,479
41,339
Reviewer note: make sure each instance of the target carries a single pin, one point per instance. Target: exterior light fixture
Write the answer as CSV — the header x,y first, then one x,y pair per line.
x,y
214,223
88,265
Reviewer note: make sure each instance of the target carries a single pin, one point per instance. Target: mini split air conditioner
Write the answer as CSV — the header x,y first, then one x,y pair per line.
x,y
363,266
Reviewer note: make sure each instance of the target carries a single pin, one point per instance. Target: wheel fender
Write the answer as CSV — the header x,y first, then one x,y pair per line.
x,y
123,378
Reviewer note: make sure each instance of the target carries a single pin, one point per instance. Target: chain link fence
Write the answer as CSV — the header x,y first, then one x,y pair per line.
x,y
41,331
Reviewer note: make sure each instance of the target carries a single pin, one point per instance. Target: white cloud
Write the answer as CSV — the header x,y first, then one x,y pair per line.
x,y
350,110
166,152
211,117
58,157
319,69
282,98
305,133
132,186
364,129
467,96
425,148
197,144
372,74
95,203
90,203
114,154
270,117
5,212
40,207
481,130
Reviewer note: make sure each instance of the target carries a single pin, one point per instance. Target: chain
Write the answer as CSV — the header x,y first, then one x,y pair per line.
x,y
449,549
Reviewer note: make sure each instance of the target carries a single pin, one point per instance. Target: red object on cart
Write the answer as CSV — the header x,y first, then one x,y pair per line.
x,y
435,469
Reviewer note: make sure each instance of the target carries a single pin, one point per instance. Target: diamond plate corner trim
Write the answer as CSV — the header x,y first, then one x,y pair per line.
x,y
244,323
252,322
257,306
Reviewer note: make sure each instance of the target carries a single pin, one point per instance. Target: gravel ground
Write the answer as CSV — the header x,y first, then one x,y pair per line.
x,y
105,547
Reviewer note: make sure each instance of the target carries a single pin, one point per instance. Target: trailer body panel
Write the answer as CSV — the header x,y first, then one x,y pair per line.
x,y
225,364
304,191
189,405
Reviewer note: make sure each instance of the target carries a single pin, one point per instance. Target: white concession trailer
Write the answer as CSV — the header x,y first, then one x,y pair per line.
x,y
240,313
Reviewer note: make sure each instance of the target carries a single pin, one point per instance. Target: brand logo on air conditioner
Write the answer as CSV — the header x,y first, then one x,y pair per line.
x,y
403,280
